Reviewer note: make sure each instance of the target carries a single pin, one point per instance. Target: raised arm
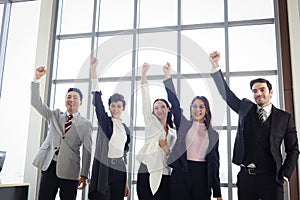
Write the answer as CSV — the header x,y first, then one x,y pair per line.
x,y
145,69
167,70
172,97
97,95
231,99
214,58
94,63
169,86
36,100
145,94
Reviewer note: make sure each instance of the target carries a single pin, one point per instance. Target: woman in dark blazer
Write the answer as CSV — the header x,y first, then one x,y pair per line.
x,y
195,156
109,174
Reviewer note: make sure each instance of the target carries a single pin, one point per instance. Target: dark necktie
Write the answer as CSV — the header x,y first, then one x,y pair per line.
x,y
68,123
261,115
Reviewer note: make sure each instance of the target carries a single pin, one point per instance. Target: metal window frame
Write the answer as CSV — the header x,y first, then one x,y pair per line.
x,y
135,31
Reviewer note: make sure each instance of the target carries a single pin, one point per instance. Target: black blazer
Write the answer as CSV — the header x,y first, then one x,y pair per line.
x,y
282,130
178,158
100,171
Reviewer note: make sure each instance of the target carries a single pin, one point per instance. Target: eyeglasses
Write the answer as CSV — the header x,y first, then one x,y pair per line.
x,y
194,106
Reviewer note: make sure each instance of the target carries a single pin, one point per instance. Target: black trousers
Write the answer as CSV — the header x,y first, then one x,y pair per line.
x,y
192,185
117,177
143,187
258,187
50,183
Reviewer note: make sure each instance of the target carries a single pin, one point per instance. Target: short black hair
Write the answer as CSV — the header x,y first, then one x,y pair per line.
x,y
76,90
261,80
116,97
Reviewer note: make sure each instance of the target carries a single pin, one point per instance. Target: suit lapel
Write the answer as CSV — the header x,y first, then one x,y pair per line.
x,y
62,122
275,122
213,138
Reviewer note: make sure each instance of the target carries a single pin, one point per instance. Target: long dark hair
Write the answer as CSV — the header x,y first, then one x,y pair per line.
x,y
169,116
207,117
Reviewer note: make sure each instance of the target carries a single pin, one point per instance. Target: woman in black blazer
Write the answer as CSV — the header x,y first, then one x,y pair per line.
x,y
109,174
195,157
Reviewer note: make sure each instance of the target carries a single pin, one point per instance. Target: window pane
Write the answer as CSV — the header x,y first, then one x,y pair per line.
x,y
115,56
252,48
202,42
157,49
15,98
73,59
77,16
250,9
156,13
138,140
234,193
157,58
198,12
225,193
116,15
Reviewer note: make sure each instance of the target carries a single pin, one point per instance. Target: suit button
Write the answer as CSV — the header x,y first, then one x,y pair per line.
x,y
63,137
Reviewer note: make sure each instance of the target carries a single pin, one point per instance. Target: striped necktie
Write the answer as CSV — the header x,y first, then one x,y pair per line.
x,y
261,114
68,123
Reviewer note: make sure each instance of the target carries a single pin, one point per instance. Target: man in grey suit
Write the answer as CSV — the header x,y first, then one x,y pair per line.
x,y
59,155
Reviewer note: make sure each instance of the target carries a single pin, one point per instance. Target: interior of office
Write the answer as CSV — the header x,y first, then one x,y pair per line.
x,y
53,44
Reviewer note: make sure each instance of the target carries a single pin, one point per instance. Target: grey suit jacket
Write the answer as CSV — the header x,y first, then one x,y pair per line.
x,y
69,144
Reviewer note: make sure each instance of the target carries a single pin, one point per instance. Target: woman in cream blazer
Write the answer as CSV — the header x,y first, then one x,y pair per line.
x,y
154,173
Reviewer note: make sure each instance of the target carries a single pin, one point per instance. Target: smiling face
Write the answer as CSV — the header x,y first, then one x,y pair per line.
x,y
116,108
160,110
198,110
72,102
261,94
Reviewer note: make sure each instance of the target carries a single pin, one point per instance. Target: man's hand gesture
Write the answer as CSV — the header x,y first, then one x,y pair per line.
x,y
39,72
214,58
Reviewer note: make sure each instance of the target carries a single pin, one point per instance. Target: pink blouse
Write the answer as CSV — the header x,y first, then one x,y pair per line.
x,y
197,142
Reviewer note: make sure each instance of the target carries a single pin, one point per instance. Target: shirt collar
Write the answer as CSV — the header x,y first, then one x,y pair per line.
x,y
196,123
116,120
267,109
74,115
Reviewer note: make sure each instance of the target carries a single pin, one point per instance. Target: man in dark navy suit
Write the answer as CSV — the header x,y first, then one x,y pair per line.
x,y
261,130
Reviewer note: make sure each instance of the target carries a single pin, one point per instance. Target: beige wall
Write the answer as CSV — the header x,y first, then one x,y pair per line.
x,y
294,29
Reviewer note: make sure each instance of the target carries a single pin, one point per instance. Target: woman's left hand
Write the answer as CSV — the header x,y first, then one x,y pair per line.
x,y
164,146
